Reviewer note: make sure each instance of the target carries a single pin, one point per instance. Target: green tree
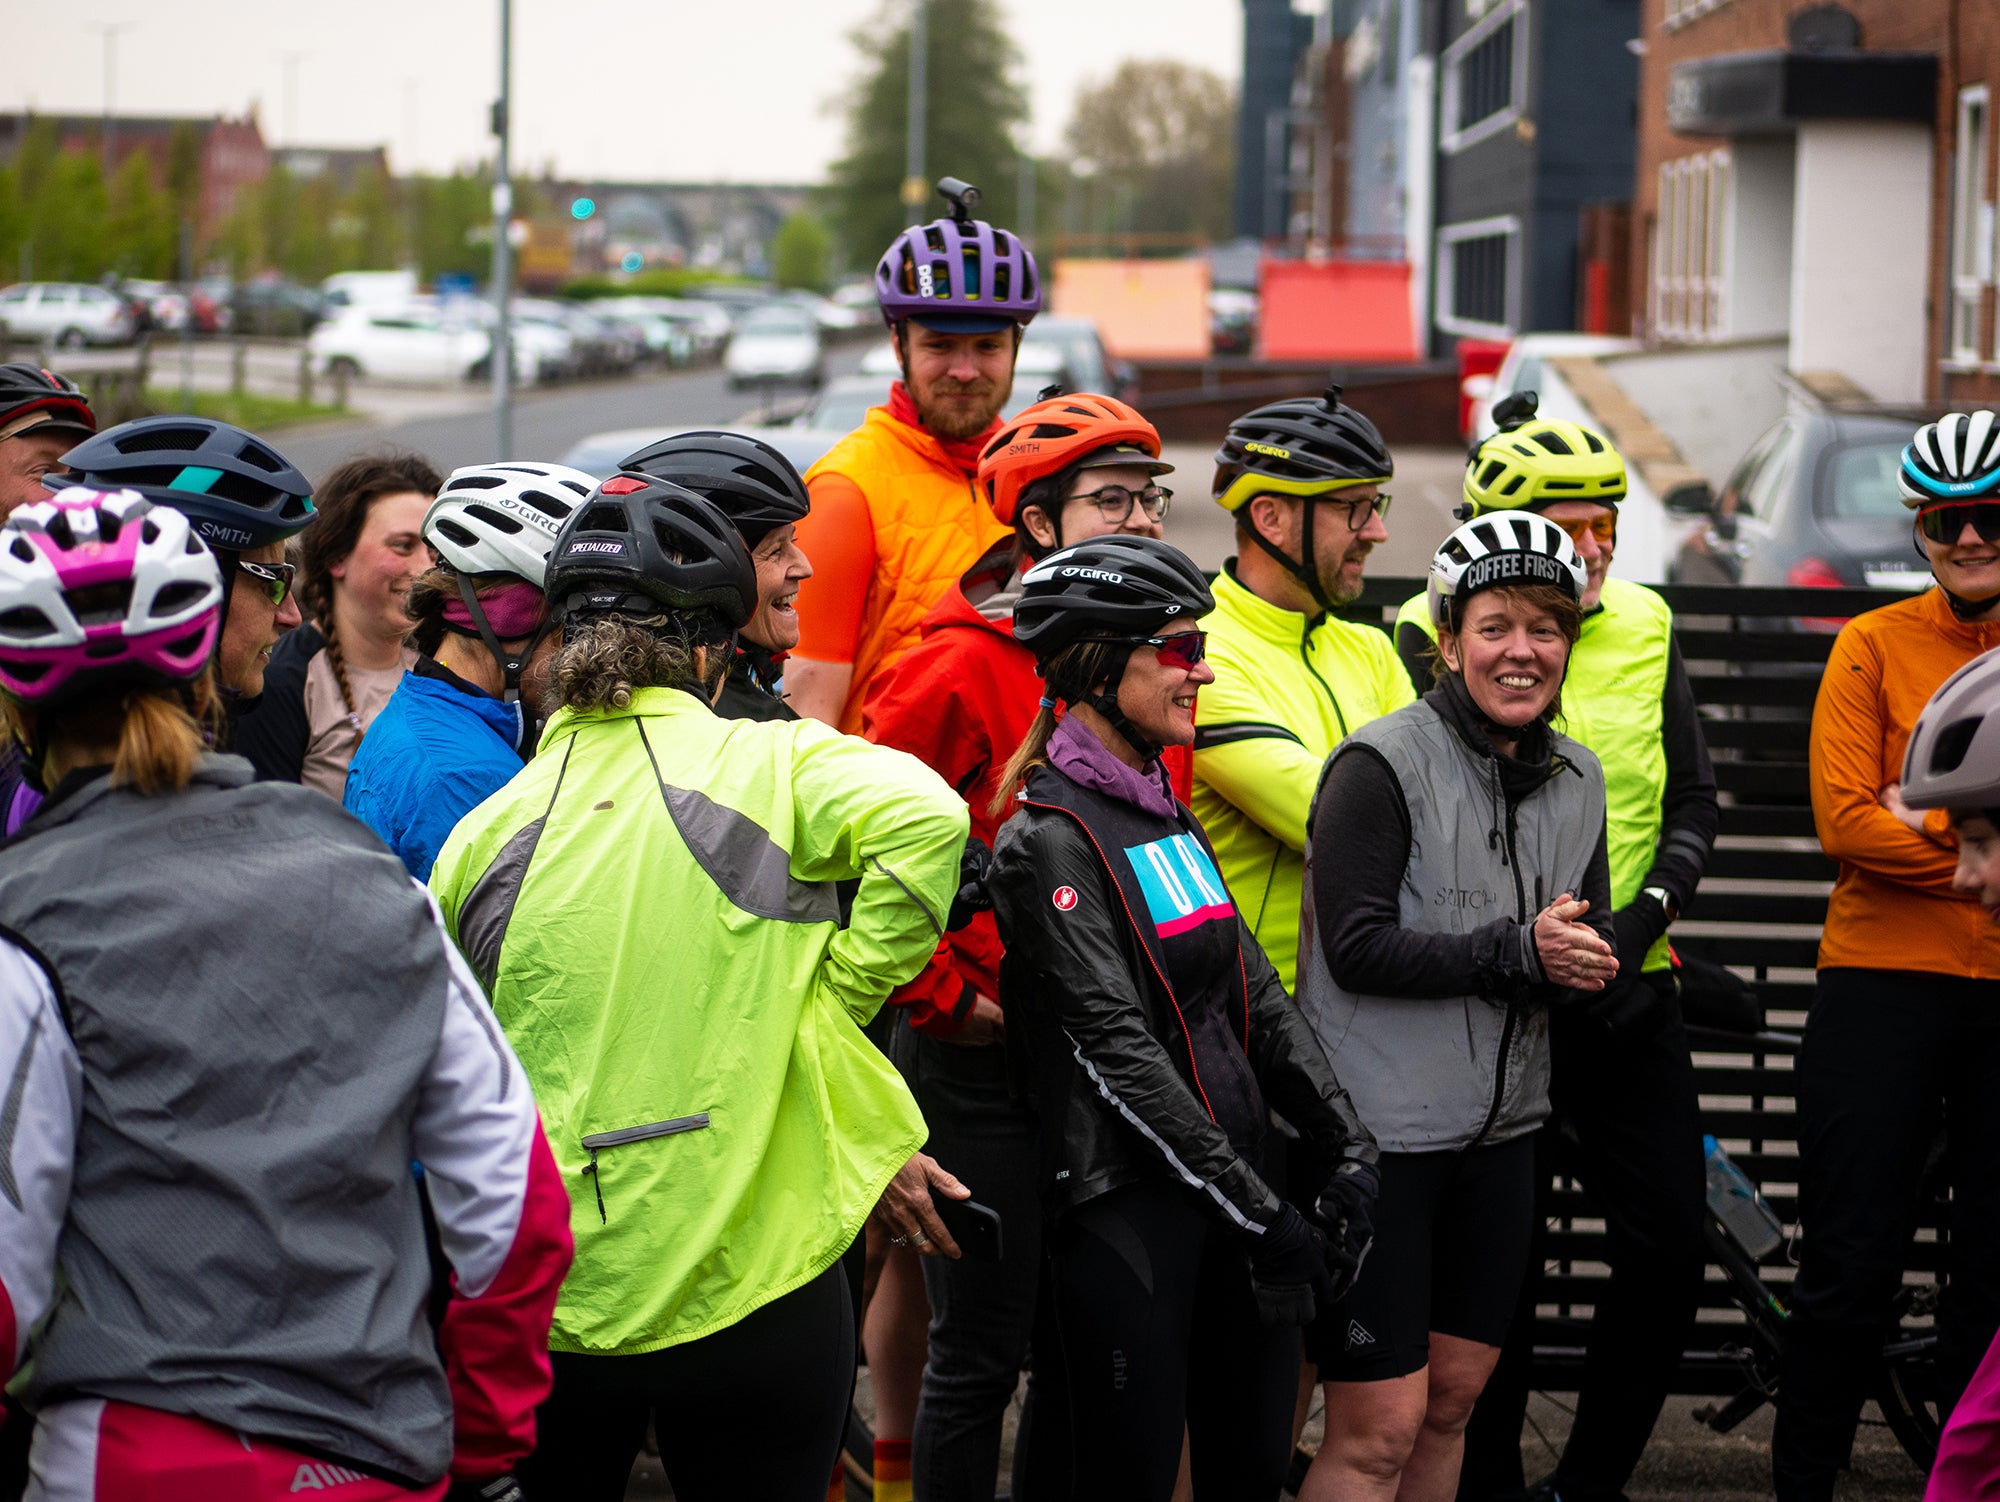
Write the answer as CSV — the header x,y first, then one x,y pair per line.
x,y
70,209
800,252
371,224
184,186
1162,137
453,223
975,104
14,225
33,167
139,225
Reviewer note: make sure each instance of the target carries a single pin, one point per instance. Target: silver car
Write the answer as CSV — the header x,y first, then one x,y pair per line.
x,y
68,314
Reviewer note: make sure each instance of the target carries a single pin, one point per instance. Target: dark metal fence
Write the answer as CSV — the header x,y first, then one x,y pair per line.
x,y
1754,657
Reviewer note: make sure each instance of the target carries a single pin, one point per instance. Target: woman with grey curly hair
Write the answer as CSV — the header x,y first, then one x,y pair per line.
x,y
650,904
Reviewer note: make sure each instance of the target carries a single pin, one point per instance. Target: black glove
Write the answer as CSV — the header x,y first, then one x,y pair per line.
x,y
1288,1273
1347,1210
973,864
499,1489
1634,929
1713,995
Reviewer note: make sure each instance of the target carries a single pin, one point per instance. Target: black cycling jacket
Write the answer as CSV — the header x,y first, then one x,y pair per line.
x,y
1114,1077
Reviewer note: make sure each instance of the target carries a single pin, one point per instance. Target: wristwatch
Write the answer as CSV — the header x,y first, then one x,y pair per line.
x,y
1665,899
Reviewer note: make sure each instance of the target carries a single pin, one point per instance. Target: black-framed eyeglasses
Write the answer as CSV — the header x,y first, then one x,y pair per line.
x,y
1115,502
276,577
1947,523
1183,650
1360,509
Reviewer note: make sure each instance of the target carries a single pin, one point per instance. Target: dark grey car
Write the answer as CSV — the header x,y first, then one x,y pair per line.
x,y
1813,503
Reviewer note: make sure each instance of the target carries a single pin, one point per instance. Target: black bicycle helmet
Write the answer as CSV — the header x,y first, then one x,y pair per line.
x,y
1120,586
237,491
26,390
746,479
638,545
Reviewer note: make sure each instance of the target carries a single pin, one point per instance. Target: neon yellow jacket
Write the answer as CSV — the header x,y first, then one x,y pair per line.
x,y
650,905
1612,702
1286,692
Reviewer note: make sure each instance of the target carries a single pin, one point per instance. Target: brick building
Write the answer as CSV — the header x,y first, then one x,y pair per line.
x,y
233,155
1824,173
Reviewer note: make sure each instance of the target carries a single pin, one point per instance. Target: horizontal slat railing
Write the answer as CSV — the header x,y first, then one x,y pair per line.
x,y
1754,658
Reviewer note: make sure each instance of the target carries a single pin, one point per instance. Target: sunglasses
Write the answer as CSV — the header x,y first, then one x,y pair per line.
x,y
1603,526
1182,650
1114,502
1946,524
276,577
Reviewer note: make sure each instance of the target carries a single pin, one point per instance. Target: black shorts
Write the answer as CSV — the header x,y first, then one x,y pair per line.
x,y
1452,1239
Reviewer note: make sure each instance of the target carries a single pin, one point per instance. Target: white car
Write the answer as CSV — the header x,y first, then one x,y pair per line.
x,y
1037,363
1526,369
68,314
778,343
398,344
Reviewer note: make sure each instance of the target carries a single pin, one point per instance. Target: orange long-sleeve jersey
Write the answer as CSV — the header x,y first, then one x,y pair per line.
x,y
1893,907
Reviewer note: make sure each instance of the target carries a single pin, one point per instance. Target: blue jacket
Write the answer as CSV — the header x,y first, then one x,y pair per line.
x,y
435,752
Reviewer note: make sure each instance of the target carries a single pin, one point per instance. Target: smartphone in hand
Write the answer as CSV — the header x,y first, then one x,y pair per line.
x,y
975,1227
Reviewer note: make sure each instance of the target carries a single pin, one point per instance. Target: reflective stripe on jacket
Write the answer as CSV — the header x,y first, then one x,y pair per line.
x,y
930,527
650,904
1613,701
1287,689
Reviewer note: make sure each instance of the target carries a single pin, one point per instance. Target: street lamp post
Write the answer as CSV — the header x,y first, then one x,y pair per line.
x,y
503,249
109,31
915,191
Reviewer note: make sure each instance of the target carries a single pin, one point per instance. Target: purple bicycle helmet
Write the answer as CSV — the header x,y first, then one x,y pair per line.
x,y
103,582
958,275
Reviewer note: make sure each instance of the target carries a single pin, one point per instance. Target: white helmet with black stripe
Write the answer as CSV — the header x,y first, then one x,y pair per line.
x,y
1502,548
503,518
1956,458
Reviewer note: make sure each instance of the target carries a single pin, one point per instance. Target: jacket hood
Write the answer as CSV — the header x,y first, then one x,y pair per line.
x,y
955,608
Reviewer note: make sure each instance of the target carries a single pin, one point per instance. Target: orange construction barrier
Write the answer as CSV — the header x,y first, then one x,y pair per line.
x,y
1336,310
1145,310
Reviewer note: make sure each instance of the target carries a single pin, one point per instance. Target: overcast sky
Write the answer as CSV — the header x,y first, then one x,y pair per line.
x,y
619,88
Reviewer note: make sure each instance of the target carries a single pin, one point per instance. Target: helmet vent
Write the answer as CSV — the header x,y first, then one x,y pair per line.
x,y
499,521
1951,745
102,604
263,458
541,500
934,239
1596,443
1495,468
25,623
453,532
1514,484
476,482
20,547
1553,442
602,519
178,597
1003,281
161,438
1051,430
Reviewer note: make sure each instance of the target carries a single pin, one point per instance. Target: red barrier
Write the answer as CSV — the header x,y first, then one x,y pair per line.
x,y
1336,311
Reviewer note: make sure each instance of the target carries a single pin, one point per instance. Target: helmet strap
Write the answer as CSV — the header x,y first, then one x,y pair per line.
x,y
1304,572
1106,704
510,664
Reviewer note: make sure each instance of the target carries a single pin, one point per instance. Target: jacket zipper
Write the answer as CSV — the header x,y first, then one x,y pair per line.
x,y
1507,1023
1305,656
624,1135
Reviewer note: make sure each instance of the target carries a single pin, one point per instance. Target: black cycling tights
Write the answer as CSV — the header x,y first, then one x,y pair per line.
x,y
754,1410
1159,1332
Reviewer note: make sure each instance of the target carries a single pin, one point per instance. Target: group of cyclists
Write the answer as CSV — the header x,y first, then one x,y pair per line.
x,y
496,964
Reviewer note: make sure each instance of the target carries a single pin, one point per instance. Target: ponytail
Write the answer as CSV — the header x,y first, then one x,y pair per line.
x,y
1031,753
1073,674
158,744
153,736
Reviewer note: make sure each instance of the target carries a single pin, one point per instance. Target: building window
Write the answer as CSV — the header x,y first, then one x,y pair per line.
x,y
1687,247
1478,273
1486,76
1971,228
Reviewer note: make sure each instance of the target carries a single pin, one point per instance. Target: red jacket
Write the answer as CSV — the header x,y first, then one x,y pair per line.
x,y
961,702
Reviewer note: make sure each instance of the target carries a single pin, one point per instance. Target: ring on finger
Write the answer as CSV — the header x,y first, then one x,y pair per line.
x,y
918,1238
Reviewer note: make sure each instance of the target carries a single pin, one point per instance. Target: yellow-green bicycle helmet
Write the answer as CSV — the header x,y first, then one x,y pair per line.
x,y
1536,461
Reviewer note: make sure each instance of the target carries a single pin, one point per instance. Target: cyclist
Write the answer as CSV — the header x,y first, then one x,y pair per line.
x,y
1457,887
1905,1023
1621,1077
1303,481
462,721
757,488
1158,1033
212,1266
330,678
1062,471
42,415
1953,763
650,905
895,517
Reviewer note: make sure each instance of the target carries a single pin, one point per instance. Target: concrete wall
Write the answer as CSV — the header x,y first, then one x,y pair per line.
x,y
1713,401
1757,244
1860,254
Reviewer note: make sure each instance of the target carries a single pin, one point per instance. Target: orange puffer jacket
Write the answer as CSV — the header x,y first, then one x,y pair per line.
x,y
1893,907
930,526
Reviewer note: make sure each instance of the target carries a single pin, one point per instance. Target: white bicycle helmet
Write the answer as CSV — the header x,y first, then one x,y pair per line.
x,y
1956,458
1499,549
503,518
1953,760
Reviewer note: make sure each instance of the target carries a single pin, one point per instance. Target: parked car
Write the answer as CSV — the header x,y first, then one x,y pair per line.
x,y
68,314
708,324
413,343
1813,504
832,317
1232,320
1526,369
369,289
778,344
271,305
166,306
1040,363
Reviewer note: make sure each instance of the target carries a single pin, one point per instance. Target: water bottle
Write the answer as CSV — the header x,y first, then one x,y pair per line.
x,y
1734,1201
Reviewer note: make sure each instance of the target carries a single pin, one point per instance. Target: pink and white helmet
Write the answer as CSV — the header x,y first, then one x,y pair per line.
x,y
98,582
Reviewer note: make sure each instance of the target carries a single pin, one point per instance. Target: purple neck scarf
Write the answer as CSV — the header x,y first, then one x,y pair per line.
x,y
1089,763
